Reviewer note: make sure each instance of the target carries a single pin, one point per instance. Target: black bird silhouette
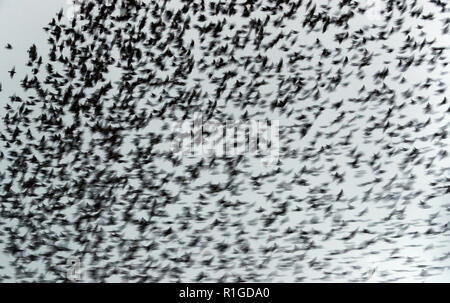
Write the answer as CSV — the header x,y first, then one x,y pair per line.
x,y
12,72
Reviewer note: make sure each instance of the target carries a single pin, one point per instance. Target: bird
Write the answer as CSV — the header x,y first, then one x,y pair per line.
x,y
12,72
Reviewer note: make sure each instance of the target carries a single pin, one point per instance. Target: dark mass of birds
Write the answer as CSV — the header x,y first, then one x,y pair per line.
x,y
87,171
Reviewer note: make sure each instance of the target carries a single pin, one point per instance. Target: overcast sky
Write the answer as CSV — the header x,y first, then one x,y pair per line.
x,y
21,23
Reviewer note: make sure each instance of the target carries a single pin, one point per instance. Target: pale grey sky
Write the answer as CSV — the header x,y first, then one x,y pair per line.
x,y
21,23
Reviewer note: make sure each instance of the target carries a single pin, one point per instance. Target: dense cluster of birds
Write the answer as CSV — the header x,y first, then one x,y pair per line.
x,y
360,191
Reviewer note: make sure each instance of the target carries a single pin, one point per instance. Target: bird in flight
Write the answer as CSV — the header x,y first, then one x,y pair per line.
x,y
12,72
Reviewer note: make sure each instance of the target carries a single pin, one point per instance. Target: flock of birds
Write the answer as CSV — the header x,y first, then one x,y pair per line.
x,y
360,191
